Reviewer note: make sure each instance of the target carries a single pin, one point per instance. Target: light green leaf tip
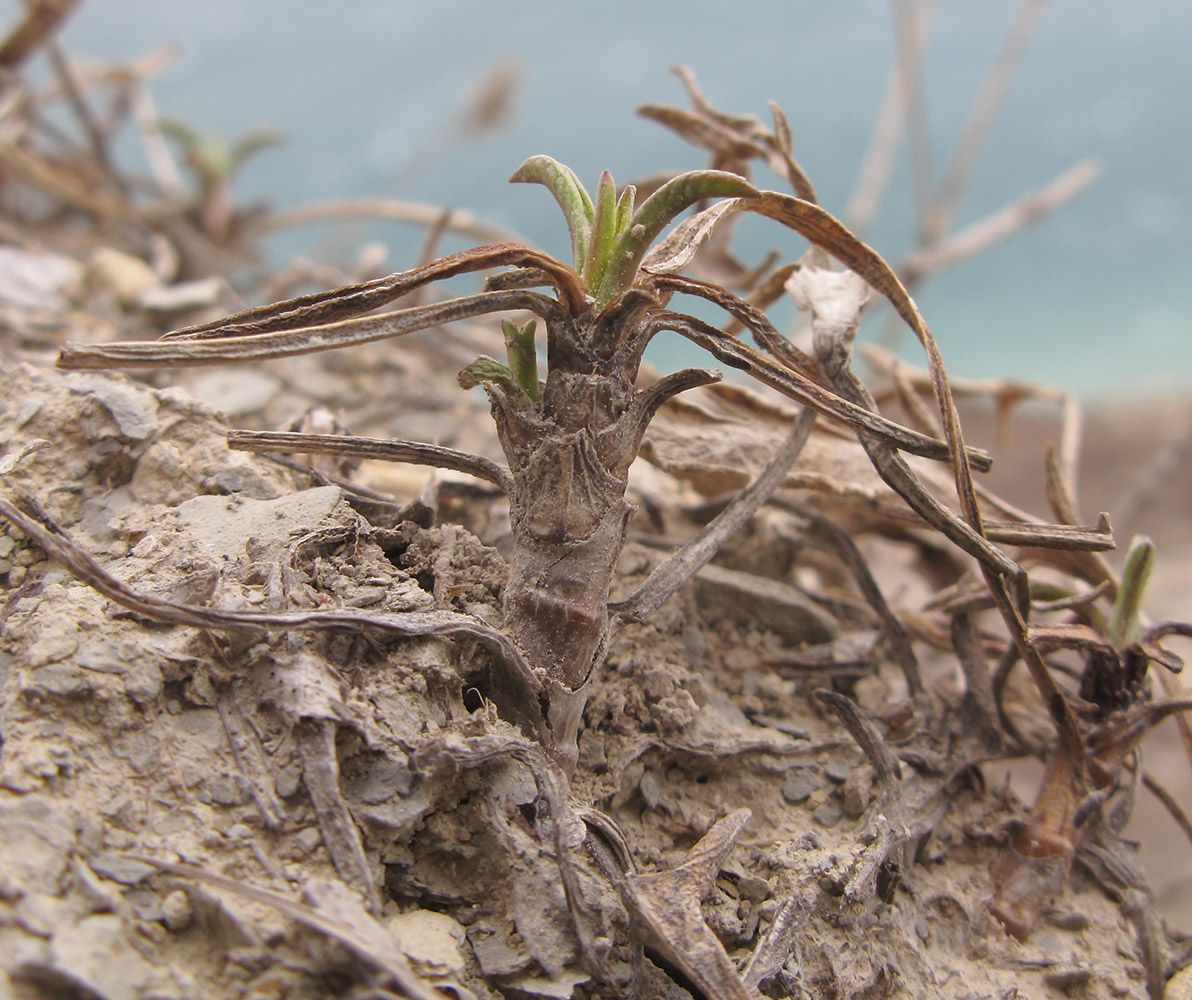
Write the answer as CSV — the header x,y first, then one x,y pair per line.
x,y
486,369
571,195
1124,625
523,358
604,231
656,212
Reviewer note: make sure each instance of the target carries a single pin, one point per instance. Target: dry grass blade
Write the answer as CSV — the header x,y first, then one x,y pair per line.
x,y
913,18
385,210
355,300
286,343
989,98
42,19
338,914
747,315
381,449
892,628
732,352
949,251
683,564
1148,932
443,623
666,906
1169,802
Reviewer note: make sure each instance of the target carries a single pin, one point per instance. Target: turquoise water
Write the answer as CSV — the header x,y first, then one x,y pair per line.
x,y
1095,299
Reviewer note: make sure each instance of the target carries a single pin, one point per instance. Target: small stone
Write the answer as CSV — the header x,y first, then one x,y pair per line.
x,y
140,749
120,869
145,903
176,911
431,940
1066,979
95,956
366,597
752,888
1067,920
837,769
225,525
240,831
62,679
37,280
808,842
125,276
651,789
493,951
288,780
380,781
132,408
828,815
184,295
799,785
53,646
309,839
225,790
99,512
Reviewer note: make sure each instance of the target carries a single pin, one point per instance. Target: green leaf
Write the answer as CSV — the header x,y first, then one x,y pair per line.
x,y
604,231
1124,621
485,369
656,213
571,195
523,359
625,209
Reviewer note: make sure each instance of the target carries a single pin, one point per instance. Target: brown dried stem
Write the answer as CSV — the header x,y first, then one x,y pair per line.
x,y
380,449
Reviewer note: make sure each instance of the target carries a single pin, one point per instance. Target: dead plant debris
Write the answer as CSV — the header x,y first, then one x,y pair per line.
x,y
540,722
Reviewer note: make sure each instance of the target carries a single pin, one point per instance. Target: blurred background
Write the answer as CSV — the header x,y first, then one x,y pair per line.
x,y
379,97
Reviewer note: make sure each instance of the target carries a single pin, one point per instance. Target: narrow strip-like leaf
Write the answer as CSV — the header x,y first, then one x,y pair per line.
x,y
656,213
486,369
604,231
625,208
379,449
284,343
1123,622
571,195
318,308
678,249
523,359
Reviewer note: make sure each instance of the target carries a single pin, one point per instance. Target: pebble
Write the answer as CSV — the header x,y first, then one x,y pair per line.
x,y
288,779
309,839
62,679
184,295
1068,920
125,276
366,597
225,525
176,910
132,408
838,769
381,781
828,814
120,869
799,785
36,280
